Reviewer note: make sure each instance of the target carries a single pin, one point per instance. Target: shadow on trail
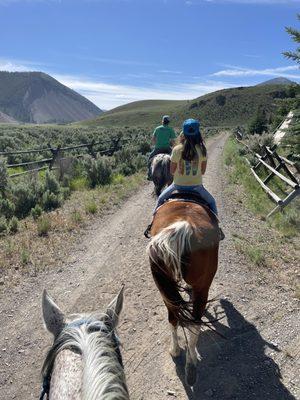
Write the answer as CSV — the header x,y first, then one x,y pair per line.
x,y
236,368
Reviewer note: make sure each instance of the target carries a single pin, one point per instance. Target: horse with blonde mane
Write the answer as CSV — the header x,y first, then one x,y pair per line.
x,y
183,254
84,361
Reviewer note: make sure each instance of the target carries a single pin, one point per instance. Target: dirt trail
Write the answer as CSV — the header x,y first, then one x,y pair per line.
x,y
259,318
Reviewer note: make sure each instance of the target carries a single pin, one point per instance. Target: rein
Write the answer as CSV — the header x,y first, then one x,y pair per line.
x,y
45,390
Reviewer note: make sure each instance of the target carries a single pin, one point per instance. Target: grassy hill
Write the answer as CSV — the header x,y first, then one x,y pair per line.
x,y
224,108
36,97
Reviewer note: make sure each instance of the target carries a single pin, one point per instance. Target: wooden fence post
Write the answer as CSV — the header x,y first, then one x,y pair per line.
x,y
55,154
91,149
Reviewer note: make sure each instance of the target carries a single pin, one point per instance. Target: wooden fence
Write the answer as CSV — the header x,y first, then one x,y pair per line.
x,y
276,166
57,155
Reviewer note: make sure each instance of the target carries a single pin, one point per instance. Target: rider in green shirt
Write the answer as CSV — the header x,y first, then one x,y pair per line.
x,y
163,139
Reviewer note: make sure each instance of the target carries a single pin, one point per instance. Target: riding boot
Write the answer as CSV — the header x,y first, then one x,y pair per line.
x,y
147,231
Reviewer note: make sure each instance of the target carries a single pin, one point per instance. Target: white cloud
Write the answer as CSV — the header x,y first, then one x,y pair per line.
x,y
168,71
110,95
107,95
236,71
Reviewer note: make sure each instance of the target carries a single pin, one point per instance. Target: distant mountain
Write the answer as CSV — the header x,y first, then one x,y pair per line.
x,y
277,81
36,97
6,119
227,108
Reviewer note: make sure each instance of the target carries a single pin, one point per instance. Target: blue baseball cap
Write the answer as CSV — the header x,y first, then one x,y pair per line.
x,y
191,127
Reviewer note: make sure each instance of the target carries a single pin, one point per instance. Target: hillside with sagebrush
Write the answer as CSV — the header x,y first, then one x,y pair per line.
x,y
35,97
223,108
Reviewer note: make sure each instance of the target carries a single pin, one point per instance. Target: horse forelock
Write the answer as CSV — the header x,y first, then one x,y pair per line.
x,y
97,343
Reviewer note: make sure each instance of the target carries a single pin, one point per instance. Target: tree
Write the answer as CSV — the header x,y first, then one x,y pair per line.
x,y
295,34
258,124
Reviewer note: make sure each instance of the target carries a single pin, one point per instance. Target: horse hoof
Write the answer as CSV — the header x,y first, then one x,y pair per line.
x,y
190,374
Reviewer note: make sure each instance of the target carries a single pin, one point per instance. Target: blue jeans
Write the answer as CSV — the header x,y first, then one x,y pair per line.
x,y
198,189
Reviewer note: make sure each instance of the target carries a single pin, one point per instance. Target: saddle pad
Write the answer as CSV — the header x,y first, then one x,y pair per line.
x,y
188,196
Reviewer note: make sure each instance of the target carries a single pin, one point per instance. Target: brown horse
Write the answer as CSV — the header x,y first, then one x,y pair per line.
x,y
183,255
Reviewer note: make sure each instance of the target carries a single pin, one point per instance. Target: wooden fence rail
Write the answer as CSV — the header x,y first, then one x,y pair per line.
x,y
57,153
272,162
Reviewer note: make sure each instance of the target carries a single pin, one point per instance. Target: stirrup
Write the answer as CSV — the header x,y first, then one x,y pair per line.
x,y
147,231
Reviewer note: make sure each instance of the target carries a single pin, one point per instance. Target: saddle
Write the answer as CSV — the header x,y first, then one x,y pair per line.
x,y
188,196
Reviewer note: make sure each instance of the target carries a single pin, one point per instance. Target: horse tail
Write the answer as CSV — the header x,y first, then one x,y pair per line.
x,y
168,252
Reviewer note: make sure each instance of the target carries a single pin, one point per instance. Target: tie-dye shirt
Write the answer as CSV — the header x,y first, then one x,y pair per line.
x,y
188,173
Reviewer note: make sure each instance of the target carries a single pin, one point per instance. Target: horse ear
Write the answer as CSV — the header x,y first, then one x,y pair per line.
x,y
114,308
53,317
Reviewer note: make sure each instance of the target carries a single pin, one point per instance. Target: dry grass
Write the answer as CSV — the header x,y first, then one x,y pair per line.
x,y
27,252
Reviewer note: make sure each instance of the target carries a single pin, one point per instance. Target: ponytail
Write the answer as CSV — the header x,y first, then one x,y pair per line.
x,y
189,151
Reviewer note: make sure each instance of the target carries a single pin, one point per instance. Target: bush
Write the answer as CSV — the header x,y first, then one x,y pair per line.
x,y
258,124
43,226
24,198
14,225
3,226
98,171
51,183
36,212
51,201
7,208
3,176
256,142
65,192
144,147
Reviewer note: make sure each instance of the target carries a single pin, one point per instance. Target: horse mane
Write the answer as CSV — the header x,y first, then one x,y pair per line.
x,y
103,373
160,169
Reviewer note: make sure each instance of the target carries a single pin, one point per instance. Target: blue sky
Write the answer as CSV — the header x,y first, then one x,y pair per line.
x,y
117,51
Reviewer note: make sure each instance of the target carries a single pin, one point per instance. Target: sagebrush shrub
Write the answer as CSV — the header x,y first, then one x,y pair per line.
x,y
3,226
51,201
51,183
36,212
7,208
14,225
3,176
24,198
98,171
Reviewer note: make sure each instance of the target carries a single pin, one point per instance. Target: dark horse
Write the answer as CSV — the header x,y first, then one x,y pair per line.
x,y
183,255
160,169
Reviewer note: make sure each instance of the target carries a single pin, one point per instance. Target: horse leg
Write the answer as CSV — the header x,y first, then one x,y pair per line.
x,y
199,304
174,349
192,356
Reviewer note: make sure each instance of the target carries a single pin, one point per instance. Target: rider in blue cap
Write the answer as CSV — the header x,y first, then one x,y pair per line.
x,y
188,165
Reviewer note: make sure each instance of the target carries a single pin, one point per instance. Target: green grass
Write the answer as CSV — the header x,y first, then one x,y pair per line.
x,y
257,200
224,108
79,183
43,225
91,207
253,252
